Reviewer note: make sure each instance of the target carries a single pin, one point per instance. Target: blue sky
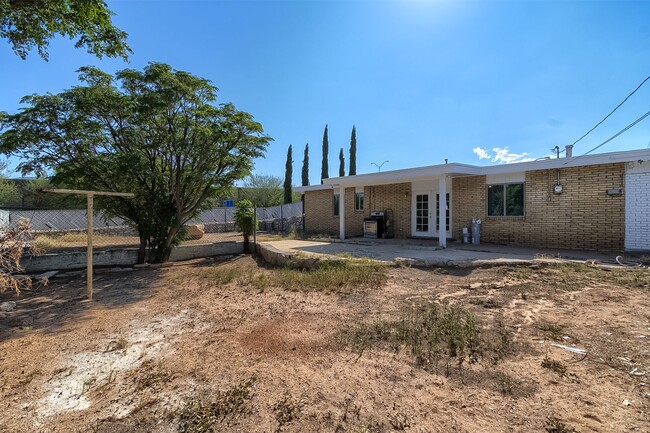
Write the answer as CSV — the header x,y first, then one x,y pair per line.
x,y
421,80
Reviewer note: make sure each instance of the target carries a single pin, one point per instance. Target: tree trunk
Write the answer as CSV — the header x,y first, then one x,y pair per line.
x,y
246,244
169,243
142,250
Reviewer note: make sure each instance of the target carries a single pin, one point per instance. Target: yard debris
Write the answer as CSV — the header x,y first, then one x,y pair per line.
x,y
45,277
627,402
405,261
8,306
112,270
69,274
635,371
570,349
619,260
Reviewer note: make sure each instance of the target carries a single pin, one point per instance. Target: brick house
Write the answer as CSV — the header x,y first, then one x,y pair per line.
x,y
593,202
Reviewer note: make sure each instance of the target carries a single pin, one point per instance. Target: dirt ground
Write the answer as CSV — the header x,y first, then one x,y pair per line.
x,y
170,348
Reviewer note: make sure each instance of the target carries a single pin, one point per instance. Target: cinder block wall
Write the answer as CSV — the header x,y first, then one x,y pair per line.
x,y
637,207
582,217
396,197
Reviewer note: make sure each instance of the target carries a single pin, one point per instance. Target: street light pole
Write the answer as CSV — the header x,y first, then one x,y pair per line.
x,y
380,165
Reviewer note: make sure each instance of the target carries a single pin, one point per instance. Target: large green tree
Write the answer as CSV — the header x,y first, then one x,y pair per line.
x,y
341,163
262,190
157,133
29,24
305,166
353,151
324,165
288,174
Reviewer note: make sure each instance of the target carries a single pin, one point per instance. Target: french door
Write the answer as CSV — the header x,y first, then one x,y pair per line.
x,y
425,220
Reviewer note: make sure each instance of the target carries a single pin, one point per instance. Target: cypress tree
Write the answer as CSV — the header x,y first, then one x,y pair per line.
x,y
353,152
305,167
288,174
341,164
324,167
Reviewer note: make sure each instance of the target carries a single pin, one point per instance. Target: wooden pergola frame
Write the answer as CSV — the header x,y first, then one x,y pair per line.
x,y
89,230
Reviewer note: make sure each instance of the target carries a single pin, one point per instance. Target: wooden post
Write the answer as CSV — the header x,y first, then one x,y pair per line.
x,y
89,230
254,229
89,252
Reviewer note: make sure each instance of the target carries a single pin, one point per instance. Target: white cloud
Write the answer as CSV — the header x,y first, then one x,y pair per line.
x,y
481,153
502,155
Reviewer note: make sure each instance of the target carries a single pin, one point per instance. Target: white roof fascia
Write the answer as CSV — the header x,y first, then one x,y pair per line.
x,y
313,188
422,173
404,175
577,161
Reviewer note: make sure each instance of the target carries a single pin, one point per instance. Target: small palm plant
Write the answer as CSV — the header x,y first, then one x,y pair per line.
x,y
245,220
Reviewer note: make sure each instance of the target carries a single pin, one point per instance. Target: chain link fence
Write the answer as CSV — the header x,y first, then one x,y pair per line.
x,y
62,230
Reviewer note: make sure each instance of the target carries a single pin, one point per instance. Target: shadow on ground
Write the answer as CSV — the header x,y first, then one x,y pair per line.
x,y
48,309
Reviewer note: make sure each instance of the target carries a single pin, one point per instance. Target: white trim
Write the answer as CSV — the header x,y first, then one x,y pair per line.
x,y
442,212
303,189
431,209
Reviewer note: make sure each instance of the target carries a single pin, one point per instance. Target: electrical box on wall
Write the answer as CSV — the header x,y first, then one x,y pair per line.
x,y
615,191
557,189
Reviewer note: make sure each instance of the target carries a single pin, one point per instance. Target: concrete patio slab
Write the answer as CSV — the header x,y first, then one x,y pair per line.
x,y
426,252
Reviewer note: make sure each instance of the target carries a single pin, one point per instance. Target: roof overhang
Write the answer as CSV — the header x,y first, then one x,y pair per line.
x,y
313,188
457,169
405,175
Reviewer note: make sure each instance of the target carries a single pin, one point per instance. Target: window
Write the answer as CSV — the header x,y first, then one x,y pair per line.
x,y
358,201
506,200
335,204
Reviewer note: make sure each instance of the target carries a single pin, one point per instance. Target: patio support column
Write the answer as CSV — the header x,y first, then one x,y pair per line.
x,y
342,212
442,212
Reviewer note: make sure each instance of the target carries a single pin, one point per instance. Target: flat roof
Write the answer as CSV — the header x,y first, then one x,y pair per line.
x,y
457,169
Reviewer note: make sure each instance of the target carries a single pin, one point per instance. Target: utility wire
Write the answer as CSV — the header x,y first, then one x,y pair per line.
x,y
612,112
614,136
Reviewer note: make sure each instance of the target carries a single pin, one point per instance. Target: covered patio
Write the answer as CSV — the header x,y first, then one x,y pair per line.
x,y
429,196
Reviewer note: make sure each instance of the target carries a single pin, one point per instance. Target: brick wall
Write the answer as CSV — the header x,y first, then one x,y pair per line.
x,y
396,197
582,217
319,215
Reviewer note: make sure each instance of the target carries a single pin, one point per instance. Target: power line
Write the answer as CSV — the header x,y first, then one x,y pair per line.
x,y
612,112
618,133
